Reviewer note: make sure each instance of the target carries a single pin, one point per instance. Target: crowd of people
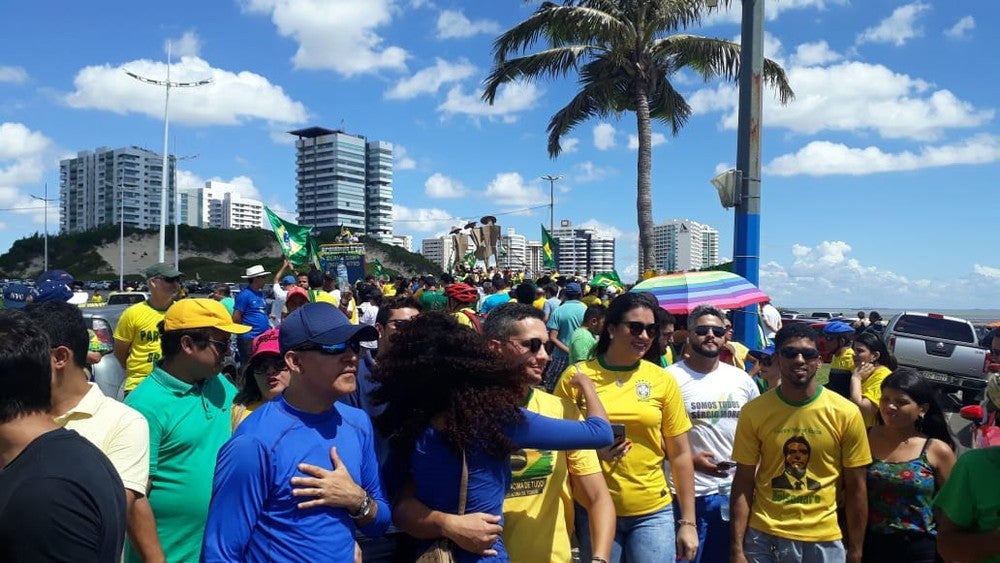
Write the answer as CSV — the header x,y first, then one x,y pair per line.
x,y
491,418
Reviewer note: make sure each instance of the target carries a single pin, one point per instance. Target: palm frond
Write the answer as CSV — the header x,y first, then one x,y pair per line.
x,y
560,25
591,101
667,105
545,64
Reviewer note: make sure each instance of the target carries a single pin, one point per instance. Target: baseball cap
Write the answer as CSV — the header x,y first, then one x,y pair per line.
x,y
838,327
758,354
15,295
161,270
296,290
573,288
265,343
200,313
288,279
53,285
321,324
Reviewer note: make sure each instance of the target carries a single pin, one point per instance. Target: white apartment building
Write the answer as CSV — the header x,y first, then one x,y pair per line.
x,y
403,241
515,248
583,252
242,213
106,186
681,245
533,257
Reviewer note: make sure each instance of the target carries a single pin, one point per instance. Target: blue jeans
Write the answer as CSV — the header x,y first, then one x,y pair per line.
x,y
765,548
648,538
713,531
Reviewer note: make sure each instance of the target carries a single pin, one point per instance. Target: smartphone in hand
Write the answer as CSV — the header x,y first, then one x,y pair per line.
x,y
725,465
618,429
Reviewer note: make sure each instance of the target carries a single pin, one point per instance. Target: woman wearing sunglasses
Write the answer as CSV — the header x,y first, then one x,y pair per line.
x,y
266,376
638,395
872,364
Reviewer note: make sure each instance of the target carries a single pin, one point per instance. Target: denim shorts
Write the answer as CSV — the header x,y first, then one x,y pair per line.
x,y
765,548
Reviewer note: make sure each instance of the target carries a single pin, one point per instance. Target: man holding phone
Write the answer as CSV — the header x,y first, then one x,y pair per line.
x,y
714,393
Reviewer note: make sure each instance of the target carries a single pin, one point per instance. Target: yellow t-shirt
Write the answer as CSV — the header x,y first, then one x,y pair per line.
x,y
388,290
539,303
647,400
872,388
463,318
843,360
138,327
538,509
239,413
320,296
739,354
795,505
589,300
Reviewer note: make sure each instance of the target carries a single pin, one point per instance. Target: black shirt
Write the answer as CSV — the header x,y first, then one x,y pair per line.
x,y
61,500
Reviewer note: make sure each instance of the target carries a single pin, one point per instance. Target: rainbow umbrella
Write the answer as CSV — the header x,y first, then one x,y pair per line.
x,y
682,292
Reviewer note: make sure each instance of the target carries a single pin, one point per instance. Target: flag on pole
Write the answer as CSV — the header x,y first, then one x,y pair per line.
x,y
549,249
293,239
605,279
376,269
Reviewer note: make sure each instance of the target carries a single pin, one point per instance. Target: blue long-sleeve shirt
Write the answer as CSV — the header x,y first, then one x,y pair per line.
x,y
437,471
253,515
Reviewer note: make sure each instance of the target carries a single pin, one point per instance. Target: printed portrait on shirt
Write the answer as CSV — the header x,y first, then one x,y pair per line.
x,y
796,470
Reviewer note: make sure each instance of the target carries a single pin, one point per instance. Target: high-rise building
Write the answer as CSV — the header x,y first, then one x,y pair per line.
x,y
533,256
403,241
515,249
241,212
343,180
100,187
583,252
437,250
680,245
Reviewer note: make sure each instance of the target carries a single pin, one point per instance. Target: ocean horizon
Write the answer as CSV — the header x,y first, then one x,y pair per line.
x,y
975,316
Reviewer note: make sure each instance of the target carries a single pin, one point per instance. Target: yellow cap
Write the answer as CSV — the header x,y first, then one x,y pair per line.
x,y
200,313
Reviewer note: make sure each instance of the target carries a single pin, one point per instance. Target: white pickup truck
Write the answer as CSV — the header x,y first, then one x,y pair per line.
x,y
944,349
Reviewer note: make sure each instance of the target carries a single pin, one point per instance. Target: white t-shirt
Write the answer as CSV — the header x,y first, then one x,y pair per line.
x,y
278,305
772,320
713,402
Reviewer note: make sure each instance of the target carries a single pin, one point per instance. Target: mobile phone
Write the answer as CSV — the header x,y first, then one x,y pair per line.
x,y
618,430
725,465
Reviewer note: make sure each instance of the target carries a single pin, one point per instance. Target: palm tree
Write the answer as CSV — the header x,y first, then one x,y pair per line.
x,y
625,55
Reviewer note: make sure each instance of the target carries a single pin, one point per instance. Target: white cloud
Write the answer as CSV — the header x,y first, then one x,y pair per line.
x,y
823,158
439,186
430,79
508,189
772,10
453,24
421,220
232,98
511,99
603,229
242,186
961,28
13,74
828,275
337,35
403,160
569,145
898,28
856,97
604,136
188,45
655,139
587,171
24,157
812,54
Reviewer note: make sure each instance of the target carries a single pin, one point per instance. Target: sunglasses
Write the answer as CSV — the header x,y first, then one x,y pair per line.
x,y
270,366
791,353
636,328
335,349
717,331
766,360
221,346
175,279
535,344
398,323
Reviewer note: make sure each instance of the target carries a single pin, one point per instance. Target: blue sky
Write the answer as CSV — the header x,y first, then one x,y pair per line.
x,y
878,183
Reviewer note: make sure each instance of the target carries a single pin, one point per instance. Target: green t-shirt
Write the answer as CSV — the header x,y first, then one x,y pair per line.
x,y
434,300
187,426
971,495
581,344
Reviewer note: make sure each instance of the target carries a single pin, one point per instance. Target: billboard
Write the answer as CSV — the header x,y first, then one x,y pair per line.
x,y
346,260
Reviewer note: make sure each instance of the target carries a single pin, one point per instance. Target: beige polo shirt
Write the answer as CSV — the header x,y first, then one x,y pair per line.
x,y
118,430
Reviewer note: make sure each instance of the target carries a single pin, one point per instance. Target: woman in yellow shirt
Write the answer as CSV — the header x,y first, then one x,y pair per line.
x,y
646,406
872,364
266,376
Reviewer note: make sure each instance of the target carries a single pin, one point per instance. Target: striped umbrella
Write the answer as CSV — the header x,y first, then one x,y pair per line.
x,y
682,292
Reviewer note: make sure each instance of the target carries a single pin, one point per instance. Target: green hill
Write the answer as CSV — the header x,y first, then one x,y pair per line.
x,y
208,254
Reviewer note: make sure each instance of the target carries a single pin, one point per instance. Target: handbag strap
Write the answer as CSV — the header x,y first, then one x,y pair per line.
x,y
464,490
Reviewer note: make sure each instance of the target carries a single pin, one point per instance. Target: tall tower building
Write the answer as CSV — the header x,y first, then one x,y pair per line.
x,y
583,251
343,180
515,248
680,245
100,187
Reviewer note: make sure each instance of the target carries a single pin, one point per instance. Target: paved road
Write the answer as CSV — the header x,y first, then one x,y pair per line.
x,y
960,430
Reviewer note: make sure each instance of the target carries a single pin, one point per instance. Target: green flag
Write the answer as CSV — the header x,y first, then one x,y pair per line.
x,y
293,239
605,279
376,269
549,249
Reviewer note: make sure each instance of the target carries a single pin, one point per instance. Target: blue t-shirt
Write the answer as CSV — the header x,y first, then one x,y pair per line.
x,y
494,301
566,319
254,308
253,515
437,470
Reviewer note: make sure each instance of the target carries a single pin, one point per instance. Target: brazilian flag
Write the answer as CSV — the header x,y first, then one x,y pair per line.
x,y
549,249
293,239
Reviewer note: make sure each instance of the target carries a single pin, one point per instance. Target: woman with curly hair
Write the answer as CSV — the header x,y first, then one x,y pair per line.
x,y
647,401
873,362
449,397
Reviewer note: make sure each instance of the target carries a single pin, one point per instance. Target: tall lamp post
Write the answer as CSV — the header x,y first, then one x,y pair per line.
x,y
45,199
177,216
552,201
167,84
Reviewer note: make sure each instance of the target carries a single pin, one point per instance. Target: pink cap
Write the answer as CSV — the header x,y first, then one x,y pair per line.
x,y
265,343
296,290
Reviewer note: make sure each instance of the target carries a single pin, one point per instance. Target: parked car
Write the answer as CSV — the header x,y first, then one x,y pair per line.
x,y
944,349
826,315
127,297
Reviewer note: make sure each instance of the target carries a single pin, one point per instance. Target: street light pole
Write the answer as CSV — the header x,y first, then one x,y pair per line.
x,y
552,201
45,199
167,84
120,190
177,216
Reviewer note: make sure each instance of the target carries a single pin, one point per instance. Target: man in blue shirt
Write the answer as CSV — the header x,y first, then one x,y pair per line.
x,y
250,309
300,475
561,324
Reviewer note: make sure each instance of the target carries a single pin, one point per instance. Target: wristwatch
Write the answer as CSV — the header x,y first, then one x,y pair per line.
x,y
365,510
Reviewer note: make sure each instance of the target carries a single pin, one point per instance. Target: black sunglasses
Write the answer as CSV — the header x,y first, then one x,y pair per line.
x,y
335,349
636,328
221,346
535,344
175,279
717,331
791,353
765,360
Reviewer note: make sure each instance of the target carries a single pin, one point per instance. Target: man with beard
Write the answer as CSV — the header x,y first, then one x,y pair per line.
x,y
714,393
799,520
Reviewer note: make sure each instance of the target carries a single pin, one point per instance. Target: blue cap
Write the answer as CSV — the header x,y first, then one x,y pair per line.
x,y
573,288
758,354
15,295
321,324
838,327
287,280
53,285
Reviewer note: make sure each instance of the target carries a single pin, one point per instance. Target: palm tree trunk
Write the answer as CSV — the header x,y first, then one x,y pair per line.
x,y
644,196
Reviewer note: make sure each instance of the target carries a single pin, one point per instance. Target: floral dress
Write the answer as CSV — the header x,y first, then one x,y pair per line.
x,y
900,496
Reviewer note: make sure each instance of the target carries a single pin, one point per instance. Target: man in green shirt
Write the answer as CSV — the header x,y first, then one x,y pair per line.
x,y
582,343
186,403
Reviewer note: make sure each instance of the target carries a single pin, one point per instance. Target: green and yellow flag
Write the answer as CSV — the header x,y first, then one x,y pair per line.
x,y
549,249
293,239
605,279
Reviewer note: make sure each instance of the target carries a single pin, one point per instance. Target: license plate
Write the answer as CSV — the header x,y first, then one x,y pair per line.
x,y
939,377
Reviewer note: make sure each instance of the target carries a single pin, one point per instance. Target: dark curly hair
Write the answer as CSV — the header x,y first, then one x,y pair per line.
x,y
433,368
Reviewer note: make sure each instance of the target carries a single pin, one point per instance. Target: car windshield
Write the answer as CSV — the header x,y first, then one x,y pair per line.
x,y
931,327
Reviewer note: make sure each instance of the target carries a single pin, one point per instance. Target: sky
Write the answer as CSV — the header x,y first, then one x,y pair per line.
x,y
878,183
